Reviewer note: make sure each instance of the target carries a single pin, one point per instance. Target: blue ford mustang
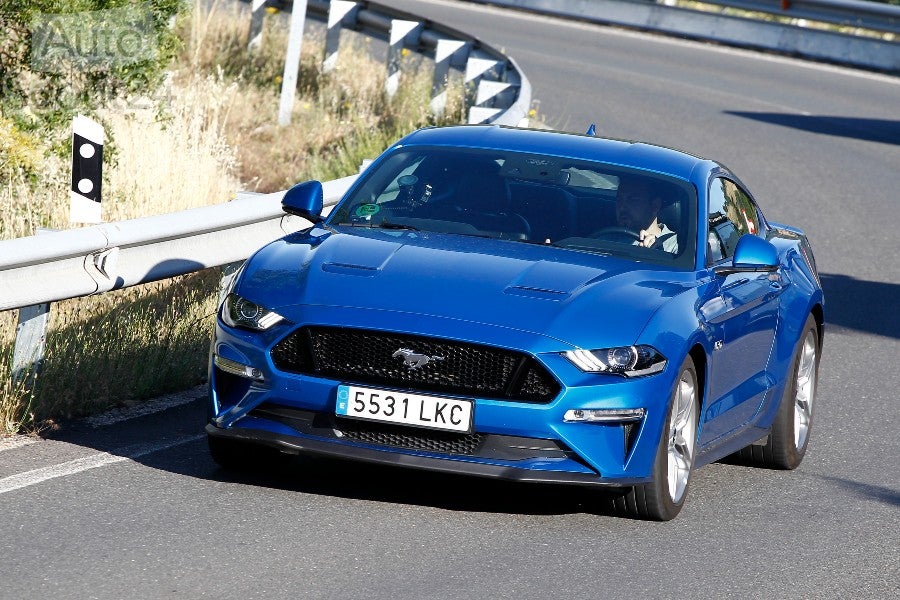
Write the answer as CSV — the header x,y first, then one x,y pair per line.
x,y
529,305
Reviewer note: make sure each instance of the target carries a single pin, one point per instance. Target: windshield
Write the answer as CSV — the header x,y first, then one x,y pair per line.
x,y
528,198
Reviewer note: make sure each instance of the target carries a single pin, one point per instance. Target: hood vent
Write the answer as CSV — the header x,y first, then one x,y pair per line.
x,y
536,292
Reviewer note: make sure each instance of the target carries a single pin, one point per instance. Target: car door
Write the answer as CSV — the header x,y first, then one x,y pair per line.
x,y
741,312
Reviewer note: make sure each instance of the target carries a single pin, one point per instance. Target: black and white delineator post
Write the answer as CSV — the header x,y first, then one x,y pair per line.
x,y
87,165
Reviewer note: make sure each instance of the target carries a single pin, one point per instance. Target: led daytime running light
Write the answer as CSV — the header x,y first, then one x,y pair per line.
x,y
236,368
603,415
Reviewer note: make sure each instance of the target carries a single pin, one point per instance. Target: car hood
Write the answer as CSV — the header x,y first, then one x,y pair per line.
x,y
579,299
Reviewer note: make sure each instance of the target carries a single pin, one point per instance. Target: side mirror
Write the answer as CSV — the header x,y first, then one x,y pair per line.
x,y
304,200
752,255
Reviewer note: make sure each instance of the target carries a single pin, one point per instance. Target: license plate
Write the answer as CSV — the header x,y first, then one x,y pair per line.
x,y
448,414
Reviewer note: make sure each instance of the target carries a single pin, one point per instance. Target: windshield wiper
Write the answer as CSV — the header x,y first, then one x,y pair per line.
x,y
388,225
591,249
382,225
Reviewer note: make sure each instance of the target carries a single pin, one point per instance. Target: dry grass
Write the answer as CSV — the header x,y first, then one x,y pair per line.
x,y
338,119
208,133
15,401
174,160
115,349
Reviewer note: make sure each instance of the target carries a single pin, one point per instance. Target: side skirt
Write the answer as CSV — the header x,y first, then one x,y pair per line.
x,y
723,448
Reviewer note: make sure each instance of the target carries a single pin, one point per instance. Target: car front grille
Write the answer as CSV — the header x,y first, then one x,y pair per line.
x,y
459,368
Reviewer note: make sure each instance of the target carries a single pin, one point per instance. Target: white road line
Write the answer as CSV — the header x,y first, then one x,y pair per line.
x,y
145,408
118,415
101,459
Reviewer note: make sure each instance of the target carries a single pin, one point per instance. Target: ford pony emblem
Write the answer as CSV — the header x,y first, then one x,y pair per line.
x,y
413,360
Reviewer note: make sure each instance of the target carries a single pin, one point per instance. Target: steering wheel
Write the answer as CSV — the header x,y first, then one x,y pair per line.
x,y
622,235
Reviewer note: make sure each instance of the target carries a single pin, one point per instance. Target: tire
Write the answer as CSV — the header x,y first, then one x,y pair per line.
x,y
789,436
662,498
239,456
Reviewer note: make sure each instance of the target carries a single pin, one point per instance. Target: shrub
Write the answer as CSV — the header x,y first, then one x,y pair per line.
x,y
53,63
20,152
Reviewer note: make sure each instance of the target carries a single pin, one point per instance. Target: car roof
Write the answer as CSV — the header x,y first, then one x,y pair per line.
x,y
637,155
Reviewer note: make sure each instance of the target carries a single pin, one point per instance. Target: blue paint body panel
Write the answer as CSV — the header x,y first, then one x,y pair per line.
x,y
421,278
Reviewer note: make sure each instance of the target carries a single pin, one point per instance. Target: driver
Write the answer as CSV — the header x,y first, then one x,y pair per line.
x,y
638,202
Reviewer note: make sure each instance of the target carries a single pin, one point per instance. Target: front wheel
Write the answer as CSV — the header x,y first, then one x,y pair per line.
x,y
662,498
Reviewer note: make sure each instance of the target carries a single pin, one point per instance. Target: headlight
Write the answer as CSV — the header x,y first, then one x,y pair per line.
x,y
630,361
240,312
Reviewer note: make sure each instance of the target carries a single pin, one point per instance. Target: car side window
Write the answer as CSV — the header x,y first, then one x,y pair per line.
x,y
732,213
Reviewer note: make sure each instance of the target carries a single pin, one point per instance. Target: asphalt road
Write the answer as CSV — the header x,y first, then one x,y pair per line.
x,y
137,509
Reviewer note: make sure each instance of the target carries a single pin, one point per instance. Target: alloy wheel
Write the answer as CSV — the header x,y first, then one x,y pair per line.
x,y
805,388
682,436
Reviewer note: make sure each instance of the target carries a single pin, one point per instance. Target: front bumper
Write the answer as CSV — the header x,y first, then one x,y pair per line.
x,y
294,444
519,441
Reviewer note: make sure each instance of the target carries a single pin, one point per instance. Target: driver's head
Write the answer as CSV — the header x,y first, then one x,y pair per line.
x,y
637,203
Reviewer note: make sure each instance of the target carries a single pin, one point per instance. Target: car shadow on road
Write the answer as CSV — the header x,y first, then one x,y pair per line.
x,y
886,131
338,478
172,440
866,491
868,306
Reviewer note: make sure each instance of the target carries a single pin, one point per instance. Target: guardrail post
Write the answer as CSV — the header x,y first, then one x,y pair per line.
x,y
292,62
31,335
447,52
400,32
478,71
31,338
254,36
487,91
340,12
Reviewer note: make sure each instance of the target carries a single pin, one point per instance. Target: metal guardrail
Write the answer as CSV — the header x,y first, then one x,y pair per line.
x,y
876,16
804,42
90,260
